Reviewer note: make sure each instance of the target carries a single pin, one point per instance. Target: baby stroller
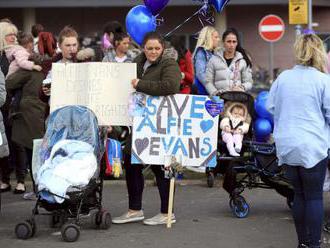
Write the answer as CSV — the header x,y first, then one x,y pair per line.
x,y
69,174
256,167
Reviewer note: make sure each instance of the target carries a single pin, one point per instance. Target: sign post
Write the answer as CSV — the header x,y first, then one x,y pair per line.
x,y
271,29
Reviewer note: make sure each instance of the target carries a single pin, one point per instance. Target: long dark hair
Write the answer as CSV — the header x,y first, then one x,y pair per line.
x,y
113,27
178,43
239,48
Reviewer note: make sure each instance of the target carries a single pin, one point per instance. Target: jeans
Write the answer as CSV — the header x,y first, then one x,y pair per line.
x,y
307,207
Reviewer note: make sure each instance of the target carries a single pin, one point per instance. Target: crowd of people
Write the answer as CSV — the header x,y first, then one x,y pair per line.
x,y
166,67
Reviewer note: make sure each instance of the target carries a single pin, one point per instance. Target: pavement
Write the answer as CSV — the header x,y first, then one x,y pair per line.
x,y
204,220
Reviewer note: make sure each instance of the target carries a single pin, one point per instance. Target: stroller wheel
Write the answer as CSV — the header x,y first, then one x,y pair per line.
x,y
326,227
231,203
96,219
70,232
289,202
240,207
34,226
210,179
24,230
105,220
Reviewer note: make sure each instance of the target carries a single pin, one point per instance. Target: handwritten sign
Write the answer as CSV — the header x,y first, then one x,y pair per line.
x,y
102,87
183,126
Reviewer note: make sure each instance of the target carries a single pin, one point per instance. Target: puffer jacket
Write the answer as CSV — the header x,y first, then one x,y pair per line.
x,y
4,150
220,77
19,58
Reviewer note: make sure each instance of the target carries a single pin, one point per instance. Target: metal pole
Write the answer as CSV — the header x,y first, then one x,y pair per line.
x,y
310,14
271,62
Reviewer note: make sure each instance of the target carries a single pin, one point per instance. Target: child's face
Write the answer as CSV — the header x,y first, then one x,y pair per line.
x,y
123,45
237,112
29,47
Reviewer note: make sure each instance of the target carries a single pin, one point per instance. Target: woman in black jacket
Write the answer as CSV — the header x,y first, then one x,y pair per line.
x,y
158,75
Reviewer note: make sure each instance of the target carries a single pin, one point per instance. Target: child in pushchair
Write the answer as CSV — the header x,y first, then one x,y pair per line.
x,y
69,174
256,165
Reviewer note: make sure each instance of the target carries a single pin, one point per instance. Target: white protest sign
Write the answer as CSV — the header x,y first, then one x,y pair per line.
x,y
184,126
102,87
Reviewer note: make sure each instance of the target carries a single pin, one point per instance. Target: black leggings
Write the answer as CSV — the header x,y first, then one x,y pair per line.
x,y
135,184
18,159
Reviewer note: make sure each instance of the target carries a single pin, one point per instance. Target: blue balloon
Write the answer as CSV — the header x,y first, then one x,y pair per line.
x,y
260,105
218,4
262,128
262,94
139,22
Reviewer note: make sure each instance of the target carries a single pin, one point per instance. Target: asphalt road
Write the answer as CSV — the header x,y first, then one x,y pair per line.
x,y
203,220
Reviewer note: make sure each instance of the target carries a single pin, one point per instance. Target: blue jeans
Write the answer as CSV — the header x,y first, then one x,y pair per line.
x,y
307,207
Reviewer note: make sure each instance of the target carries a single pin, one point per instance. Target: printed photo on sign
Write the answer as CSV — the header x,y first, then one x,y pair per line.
x,y
178,125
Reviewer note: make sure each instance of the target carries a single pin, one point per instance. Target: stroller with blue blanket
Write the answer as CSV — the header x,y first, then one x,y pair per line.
x,y
69,174
256,167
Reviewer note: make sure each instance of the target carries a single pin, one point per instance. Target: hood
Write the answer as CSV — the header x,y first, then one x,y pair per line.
x,y
168,53
230,105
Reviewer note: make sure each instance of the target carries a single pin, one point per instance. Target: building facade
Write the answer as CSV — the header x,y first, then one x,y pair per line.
x,y
88,17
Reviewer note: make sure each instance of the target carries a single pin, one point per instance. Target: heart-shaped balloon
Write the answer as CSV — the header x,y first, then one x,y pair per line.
x,y
140,21
156,6
214,108
218,4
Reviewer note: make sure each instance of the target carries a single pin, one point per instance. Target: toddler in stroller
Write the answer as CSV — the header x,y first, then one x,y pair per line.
x,y
234,126
255,167
69,174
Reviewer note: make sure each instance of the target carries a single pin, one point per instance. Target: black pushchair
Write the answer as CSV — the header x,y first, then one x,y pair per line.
x,y
256,167
69,174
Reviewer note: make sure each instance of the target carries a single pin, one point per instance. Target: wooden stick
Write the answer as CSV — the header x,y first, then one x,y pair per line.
x,y
170,203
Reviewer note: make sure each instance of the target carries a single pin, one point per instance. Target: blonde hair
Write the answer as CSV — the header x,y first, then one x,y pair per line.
x,y
205,38
5,29
309,51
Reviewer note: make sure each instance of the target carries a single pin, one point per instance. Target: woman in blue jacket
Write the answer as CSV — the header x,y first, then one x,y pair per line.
x,y
300,101
207,43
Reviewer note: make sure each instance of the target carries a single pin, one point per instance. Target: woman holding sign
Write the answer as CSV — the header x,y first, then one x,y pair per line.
x,y
158,75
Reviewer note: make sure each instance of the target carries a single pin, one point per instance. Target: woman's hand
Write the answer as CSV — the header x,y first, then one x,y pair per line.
x,y
37,67
135,82
237,88
238,131
183,75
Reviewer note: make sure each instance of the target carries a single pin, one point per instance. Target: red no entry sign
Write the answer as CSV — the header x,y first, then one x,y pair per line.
x,y
271,28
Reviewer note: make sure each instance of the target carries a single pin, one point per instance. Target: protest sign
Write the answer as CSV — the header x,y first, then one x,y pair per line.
x,y
184,126
103,87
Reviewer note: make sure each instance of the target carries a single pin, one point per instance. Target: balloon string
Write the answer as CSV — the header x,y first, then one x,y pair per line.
x,y
326,39
187,20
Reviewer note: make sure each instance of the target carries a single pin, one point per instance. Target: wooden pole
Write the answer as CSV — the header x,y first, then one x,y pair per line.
x,y
170,203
